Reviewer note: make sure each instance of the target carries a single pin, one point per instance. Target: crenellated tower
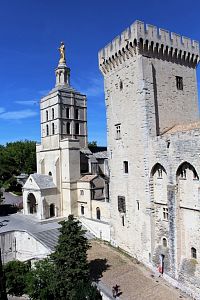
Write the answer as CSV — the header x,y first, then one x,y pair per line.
x,y
150,86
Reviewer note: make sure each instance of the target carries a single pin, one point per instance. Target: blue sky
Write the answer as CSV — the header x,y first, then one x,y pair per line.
x,y
30,33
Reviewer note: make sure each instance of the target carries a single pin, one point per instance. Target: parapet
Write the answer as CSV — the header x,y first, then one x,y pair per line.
x,y
149,37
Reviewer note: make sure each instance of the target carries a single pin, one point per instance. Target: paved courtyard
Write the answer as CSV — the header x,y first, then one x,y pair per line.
x,y
135,281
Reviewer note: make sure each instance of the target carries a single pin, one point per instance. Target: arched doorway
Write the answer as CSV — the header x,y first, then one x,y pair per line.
x,y
32,206
52,210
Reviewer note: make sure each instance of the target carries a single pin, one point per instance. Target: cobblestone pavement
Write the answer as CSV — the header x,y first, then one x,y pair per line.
x,y
135,281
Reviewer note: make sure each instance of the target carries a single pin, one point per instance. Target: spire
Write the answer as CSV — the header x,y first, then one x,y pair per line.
x,y
62,71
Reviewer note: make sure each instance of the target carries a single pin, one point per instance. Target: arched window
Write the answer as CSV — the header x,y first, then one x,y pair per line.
x,y
47,115
164,242
52,113
193,253
32,207
98,213
53,128
82,210
52,210
183,170
50,174
47,129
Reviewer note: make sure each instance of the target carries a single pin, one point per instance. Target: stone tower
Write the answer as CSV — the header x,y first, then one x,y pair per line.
x,y
150,86
63,134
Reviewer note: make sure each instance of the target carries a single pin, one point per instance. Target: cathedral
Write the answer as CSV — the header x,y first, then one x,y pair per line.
x,y
143,193
70,178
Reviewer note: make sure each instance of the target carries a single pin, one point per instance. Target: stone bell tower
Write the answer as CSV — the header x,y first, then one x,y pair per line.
x,y
63,133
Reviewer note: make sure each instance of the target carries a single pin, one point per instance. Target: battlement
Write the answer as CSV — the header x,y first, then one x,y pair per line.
x,y
149,36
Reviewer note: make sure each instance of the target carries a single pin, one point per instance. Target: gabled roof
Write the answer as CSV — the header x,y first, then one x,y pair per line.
x,y
101,155
43,181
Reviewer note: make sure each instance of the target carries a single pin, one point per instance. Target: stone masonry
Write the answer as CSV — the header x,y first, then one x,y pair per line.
x,y
153,144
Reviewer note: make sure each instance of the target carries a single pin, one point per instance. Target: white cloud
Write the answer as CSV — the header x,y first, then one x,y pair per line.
x,y
27,102
17,115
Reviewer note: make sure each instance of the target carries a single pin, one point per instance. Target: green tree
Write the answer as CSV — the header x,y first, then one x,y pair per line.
x,y
71,265
92,144
16,273
41,281
64,275
15,158
3,295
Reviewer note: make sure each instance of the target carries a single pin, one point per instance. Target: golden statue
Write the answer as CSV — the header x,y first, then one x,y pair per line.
x,y
62,53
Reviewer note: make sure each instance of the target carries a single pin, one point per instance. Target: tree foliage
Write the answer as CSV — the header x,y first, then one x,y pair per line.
x,y
65,274
16,272
70,259
92,144
3,294
41,281
15,158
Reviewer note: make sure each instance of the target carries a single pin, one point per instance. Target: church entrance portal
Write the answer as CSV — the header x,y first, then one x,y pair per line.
x,y
32,208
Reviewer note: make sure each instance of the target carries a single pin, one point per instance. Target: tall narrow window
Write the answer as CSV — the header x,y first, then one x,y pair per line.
x,y
53,113
121,204
77,128
47,129
53,128
165,214
118,131
47,115
123,223
193,253
67,112
76,114
98,213
68,128
159,172
164,242
82,210
125,167
121,85
179,83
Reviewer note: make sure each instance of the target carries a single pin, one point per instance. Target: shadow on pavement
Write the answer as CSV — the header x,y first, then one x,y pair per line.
x,y
97,267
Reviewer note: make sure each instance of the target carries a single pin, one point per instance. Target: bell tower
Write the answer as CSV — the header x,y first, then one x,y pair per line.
x,y
63,110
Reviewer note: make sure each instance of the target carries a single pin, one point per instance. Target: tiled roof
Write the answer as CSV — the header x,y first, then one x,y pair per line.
x,y
43,181
88,178
183,127
102,154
